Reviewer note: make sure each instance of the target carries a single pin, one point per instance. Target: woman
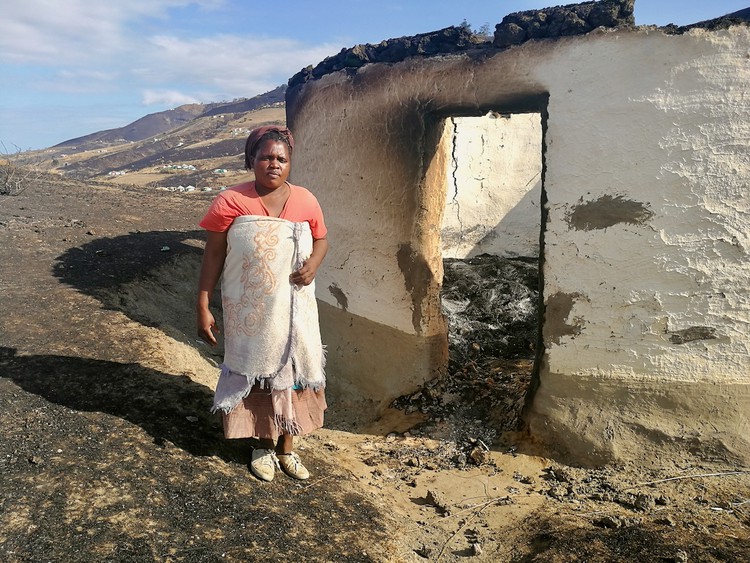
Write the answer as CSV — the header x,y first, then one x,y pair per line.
x,y
266,239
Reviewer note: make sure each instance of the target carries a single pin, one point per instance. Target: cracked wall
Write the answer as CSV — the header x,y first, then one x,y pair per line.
x,y
493,185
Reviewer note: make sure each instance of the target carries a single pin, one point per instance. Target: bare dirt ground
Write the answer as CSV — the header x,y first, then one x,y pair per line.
x,y
108,451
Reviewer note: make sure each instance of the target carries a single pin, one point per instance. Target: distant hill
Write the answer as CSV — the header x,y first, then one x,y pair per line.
x,y
274,97
142,128
163,121
743,14
203,146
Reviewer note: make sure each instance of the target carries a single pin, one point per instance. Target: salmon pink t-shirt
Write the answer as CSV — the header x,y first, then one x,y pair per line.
x,y
244,200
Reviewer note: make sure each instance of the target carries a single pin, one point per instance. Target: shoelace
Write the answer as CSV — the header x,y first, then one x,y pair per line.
x,y
269,458
296,461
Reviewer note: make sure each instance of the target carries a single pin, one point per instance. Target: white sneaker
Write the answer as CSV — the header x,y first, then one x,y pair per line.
x,y
292,466
264,464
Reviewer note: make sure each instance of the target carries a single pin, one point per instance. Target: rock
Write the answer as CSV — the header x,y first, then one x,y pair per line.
x,y
644,502
560,474
626,499
448,40
436,499
476,549
666,521
480,456
509,34
609,522
558,21
558,492
372,461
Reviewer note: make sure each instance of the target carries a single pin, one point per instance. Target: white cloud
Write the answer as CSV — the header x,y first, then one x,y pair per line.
x,y
97,57
229,65
78,81
50,32
168,98
96,46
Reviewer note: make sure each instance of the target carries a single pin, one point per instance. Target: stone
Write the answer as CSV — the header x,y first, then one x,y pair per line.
x,y
558,492
644,502
480,456
559,21
610,522
438,500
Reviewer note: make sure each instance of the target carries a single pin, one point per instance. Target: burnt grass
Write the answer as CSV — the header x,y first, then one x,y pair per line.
x,y
108,461
105,456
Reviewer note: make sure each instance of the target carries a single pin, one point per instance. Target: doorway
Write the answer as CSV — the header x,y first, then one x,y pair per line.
x,y
491,247
490,287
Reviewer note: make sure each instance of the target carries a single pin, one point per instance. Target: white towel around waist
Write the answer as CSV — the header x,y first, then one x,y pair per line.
x,y
271,329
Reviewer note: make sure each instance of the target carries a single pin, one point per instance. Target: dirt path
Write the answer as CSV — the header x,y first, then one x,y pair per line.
x,y
108,451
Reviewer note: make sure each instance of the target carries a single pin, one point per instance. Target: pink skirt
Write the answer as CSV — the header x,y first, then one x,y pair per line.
x,y
254,417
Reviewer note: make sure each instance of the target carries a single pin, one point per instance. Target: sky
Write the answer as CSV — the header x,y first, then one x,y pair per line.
x,y
73,67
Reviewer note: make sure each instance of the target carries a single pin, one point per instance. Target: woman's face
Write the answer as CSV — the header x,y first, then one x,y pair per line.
x,y
272,164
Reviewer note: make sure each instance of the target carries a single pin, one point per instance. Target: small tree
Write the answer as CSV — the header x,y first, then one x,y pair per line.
x,y
15,173
484,31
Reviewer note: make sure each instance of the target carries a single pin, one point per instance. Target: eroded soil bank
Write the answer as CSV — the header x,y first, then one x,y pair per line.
x,y
108,451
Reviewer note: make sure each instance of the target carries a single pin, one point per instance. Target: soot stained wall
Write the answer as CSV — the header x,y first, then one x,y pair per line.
x,y
645,269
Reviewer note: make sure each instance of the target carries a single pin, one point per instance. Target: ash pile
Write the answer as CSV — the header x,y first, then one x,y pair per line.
x,y
491,307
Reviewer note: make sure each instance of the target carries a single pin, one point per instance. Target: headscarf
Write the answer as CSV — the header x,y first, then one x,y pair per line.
x,y
256,135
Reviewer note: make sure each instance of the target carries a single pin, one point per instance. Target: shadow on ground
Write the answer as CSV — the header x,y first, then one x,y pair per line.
x,y
553,539
82,481
169,407
104,264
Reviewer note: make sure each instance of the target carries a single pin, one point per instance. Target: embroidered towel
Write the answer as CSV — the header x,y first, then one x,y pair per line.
x,y
271,329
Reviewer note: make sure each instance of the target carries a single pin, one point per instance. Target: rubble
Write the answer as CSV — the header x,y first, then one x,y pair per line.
x,y
491,306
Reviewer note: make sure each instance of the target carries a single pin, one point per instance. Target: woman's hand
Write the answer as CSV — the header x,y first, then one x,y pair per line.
x,y
206,325
306,274
211,266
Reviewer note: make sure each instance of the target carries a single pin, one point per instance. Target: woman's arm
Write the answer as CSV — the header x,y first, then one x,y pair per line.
x,y
306,274
213,262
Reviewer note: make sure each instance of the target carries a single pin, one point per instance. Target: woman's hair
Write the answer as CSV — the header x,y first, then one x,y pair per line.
x,y
253,142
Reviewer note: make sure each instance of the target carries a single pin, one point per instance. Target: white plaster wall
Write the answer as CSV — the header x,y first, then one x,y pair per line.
x,y
493,188
663,121
647,221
